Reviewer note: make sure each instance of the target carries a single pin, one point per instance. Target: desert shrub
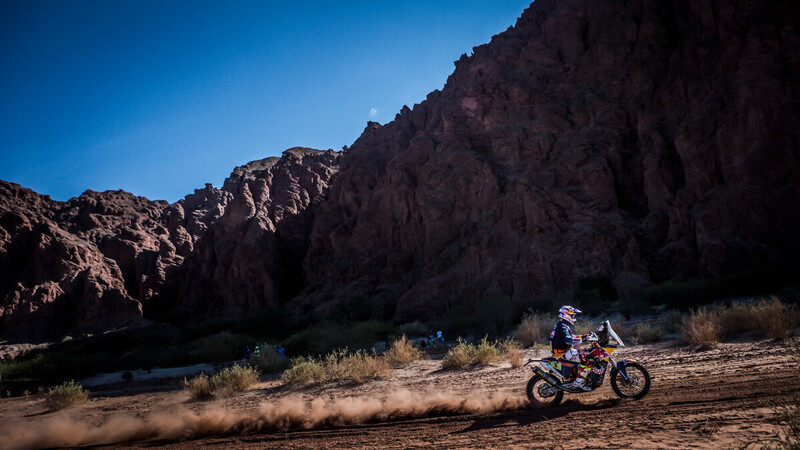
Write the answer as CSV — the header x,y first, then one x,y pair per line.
x,y
465,354
269,361
461,355
356,366
486,352
769,317
645,332
229,380
511,350
415,328
200,386
234,379
402,352
337,365
220,347
700,329
534,328
65,395
304,370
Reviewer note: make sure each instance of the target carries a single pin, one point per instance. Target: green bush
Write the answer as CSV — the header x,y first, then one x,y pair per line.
x,y
65,395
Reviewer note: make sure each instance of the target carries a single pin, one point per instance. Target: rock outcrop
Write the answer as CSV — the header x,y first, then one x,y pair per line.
x,y
102,260
641,142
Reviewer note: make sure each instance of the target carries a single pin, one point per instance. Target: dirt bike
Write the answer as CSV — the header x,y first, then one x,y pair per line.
x,y
553,376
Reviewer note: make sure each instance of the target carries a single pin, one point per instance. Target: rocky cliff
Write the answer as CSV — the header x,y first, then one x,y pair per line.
x,y
639,141
96,262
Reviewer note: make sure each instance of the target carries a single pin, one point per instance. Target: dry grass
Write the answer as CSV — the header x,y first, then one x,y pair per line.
x,y
459,356
486,352
769,317
65,395
304,370
200,386
228,381
338,365
512,351
700,329
534,329
465,354
234,379
402,352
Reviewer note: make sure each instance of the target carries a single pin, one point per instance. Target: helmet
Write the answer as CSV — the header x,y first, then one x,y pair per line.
x,y
568,313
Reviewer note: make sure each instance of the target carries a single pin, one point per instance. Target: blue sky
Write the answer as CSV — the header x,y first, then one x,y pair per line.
x,y
159,97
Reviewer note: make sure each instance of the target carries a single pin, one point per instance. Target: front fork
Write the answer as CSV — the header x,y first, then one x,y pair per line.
x,y
620,368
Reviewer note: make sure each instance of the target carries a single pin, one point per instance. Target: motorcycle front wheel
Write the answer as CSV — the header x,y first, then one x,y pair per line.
x,y
542,394
636,386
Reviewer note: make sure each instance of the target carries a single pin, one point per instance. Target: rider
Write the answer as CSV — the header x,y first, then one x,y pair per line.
x,y
561,342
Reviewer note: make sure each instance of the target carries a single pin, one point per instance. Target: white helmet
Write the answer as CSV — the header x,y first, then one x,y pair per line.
x,y
568,313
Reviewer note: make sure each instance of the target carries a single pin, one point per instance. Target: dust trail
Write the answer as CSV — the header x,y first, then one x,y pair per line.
x,y
284,414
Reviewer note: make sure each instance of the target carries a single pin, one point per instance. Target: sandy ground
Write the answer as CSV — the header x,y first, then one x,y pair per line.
x,y
719,398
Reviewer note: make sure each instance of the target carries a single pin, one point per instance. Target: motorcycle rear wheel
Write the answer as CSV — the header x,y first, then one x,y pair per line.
x,y
537,385
637,385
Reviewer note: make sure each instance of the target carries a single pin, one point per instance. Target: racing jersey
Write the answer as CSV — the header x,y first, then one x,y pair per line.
x,y
562,339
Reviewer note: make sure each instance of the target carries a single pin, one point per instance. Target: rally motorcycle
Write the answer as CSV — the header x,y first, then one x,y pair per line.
x,y
552,376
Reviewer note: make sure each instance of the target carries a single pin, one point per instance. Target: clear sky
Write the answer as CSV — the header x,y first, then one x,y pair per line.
x,y
159,97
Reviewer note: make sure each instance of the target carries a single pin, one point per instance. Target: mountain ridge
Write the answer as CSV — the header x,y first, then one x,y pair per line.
x,y
639,142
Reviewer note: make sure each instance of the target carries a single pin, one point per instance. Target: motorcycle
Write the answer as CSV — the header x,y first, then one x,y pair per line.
x,y
552,377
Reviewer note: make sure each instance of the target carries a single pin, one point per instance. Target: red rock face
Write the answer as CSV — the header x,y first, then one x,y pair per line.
x,y
639,141
93,263
642,141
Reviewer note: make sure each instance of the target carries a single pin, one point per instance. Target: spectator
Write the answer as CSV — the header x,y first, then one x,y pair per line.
x,y
247,353
280,350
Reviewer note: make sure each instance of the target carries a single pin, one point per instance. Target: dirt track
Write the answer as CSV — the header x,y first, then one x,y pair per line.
x,y
698,399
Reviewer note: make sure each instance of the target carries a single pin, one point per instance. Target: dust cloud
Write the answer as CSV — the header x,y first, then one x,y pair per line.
x,y
288,413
